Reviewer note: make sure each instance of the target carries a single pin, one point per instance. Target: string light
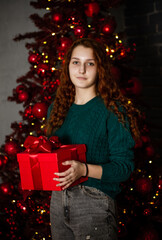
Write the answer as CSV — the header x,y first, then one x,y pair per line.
x,y
116,36
22,145
53,34
107,49
150,161
44,42
129,102
71,26
120,41
89,26
35,66
53,68
47,8
31,133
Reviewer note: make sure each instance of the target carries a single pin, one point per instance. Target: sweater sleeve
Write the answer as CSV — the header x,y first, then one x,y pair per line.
x,y
121,154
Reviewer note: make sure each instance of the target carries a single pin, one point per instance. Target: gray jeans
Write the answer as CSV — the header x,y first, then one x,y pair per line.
x,y
82,213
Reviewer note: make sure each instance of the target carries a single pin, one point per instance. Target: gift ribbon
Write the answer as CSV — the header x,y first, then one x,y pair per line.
x,y
41,144
35,170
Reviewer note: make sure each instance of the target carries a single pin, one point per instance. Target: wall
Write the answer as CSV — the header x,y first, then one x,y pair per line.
x,y
143,24
14,19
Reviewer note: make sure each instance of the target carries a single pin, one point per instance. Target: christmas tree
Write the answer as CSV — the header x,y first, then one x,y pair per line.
x,y
25,214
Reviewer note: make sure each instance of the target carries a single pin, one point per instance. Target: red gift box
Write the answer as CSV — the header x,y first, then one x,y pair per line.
x,y
37,169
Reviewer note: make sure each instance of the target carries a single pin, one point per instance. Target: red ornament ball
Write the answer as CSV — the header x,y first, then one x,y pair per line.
x,y
40,110
57,17
3,160
135,86
79,31
143,185
23,96
147,212
145,139
150,150
34,58
65,43
11,148
42,69
92,9
20,88
138,144
6,188
160,184
109,27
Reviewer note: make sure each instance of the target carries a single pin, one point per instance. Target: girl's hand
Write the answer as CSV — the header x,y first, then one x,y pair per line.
x,y
66,178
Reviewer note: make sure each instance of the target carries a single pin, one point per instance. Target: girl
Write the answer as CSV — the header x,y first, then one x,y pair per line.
x,y
90,109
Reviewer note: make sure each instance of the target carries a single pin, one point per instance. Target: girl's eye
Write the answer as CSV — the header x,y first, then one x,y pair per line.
x,y
75,62
90,64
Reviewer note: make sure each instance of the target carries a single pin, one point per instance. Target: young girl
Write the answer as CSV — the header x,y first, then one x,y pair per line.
x,y
90,109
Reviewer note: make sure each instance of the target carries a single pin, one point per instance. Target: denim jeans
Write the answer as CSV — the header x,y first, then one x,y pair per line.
x,y
82,213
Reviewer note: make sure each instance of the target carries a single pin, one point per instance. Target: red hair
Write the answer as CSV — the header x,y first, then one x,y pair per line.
x,y
106,87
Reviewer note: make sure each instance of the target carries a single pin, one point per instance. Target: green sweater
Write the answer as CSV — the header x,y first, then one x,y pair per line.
x,y
108,143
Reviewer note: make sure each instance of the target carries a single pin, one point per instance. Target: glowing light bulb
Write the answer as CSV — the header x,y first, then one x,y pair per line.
x,y
53,34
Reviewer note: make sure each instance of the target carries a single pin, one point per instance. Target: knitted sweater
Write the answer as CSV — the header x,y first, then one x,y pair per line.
x,y
108,143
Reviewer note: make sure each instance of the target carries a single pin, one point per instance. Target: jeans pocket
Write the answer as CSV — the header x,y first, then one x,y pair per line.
x,y
94,193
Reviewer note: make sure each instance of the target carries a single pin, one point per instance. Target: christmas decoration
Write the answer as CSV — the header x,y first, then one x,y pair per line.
x,y
3,160
143,185
65,43
6,188
57,17
92,9
40,110
23,96
79,31
108,27
20,88
135,86
11,148
34,58
42,69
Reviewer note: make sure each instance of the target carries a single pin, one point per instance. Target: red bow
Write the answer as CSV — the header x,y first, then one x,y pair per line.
x,y
41,144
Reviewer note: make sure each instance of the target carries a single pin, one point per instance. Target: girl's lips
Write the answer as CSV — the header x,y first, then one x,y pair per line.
x,y
81,78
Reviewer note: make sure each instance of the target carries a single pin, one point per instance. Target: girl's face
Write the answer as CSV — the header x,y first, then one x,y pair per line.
x,y
83,68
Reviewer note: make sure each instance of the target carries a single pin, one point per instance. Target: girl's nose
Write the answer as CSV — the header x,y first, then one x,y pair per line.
x,y
82,68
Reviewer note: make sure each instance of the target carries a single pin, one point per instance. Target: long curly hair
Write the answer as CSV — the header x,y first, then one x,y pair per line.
x,y
106,87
